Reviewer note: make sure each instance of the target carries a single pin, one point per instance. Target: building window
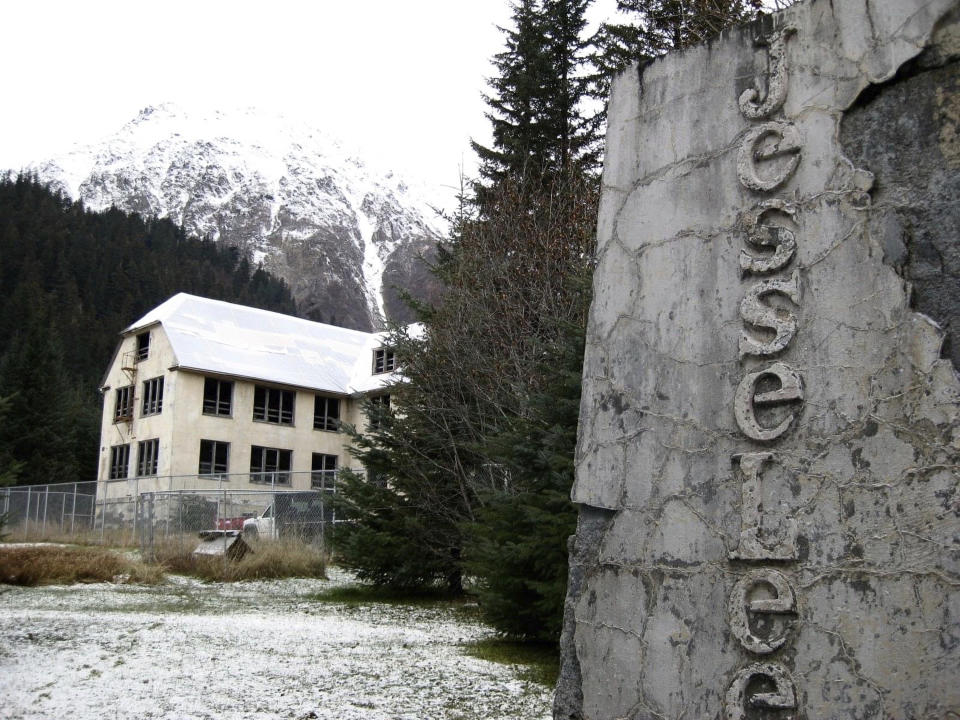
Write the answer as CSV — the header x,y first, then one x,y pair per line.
x,y
213,457
143,346
326,413
152,396
119,461
148,457
123,404
270,465
273,406
323,472
380,407
217,397
383,360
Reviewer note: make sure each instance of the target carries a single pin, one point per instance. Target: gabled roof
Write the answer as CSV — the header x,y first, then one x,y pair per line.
x,y
213,336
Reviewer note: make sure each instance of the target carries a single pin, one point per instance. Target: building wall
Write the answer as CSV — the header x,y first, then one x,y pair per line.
x,y
182,425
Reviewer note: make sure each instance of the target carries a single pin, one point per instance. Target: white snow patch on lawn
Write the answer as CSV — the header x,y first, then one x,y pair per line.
x,y
257,650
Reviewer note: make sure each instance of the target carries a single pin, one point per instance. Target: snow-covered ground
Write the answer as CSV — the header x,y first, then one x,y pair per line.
x,y
254,650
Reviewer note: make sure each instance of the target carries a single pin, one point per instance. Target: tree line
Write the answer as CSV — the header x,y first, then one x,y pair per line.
x,y
70,281
468,472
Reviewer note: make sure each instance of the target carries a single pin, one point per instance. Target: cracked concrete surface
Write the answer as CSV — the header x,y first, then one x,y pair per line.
x,y
869,469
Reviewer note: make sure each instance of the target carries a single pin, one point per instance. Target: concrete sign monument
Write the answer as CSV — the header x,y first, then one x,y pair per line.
x,y
769,452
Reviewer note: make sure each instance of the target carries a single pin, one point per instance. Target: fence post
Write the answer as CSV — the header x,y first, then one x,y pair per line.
x,y
26,515
73,512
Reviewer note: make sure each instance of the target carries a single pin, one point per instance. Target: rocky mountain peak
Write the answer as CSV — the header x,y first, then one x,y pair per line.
x,y
343,234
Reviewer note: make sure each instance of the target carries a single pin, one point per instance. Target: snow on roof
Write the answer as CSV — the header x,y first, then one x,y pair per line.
x,y
219,337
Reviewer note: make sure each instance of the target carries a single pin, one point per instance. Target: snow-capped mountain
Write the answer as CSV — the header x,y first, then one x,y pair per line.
x,y
343,236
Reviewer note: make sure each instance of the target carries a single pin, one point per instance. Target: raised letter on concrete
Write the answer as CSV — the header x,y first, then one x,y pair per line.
x,y
776,81
768,144
778,237
783,697
783,603
751,546
781,322
747,399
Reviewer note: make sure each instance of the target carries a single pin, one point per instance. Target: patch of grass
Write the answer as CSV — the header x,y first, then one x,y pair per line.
x,y
63,565
356,595
268,561
540,662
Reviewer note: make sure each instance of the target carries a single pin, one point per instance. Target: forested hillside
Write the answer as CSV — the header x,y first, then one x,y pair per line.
x,y
70,281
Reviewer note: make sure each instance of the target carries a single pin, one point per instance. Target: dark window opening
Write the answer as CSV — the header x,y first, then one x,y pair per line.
x,y
213,457
119,461
323,473
326,413
148,457
270,465
143,346
217,397
273,406
152,396
123,404
383,361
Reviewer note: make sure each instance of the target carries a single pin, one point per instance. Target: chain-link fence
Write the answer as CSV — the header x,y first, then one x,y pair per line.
x,y
44,511
176,518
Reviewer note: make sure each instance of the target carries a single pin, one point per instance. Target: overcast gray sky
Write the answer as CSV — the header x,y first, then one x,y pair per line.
x,y
401,80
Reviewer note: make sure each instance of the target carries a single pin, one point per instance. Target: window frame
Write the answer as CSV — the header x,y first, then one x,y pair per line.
x,y
327,476
212,469
384,360
143,346
324,420
119,456
151,457
218,404
126,394
270,414
381,399
267,473
152,401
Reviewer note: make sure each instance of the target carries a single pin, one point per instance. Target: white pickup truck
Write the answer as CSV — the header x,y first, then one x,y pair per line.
x,y
261,526
292,514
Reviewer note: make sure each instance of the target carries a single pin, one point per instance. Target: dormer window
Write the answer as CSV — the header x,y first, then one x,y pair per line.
x,y
383,361
143,346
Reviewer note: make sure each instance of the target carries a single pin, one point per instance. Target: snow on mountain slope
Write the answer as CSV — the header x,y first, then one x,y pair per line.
x,y
342,235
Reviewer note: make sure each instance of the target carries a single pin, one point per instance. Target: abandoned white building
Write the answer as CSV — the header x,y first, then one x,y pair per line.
x,y
207,394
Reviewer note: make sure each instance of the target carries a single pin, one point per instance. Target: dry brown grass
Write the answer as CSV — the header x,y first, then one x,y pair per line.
x,y
269,560
62,565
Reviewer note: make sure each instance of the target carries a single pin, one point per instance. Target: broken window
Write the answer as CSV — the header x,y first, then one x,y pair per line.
x,y
123,404
272,405
119,461
217,397
323,472
148,457
213,457
383,360
326,413
143,346
270,465
152,396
